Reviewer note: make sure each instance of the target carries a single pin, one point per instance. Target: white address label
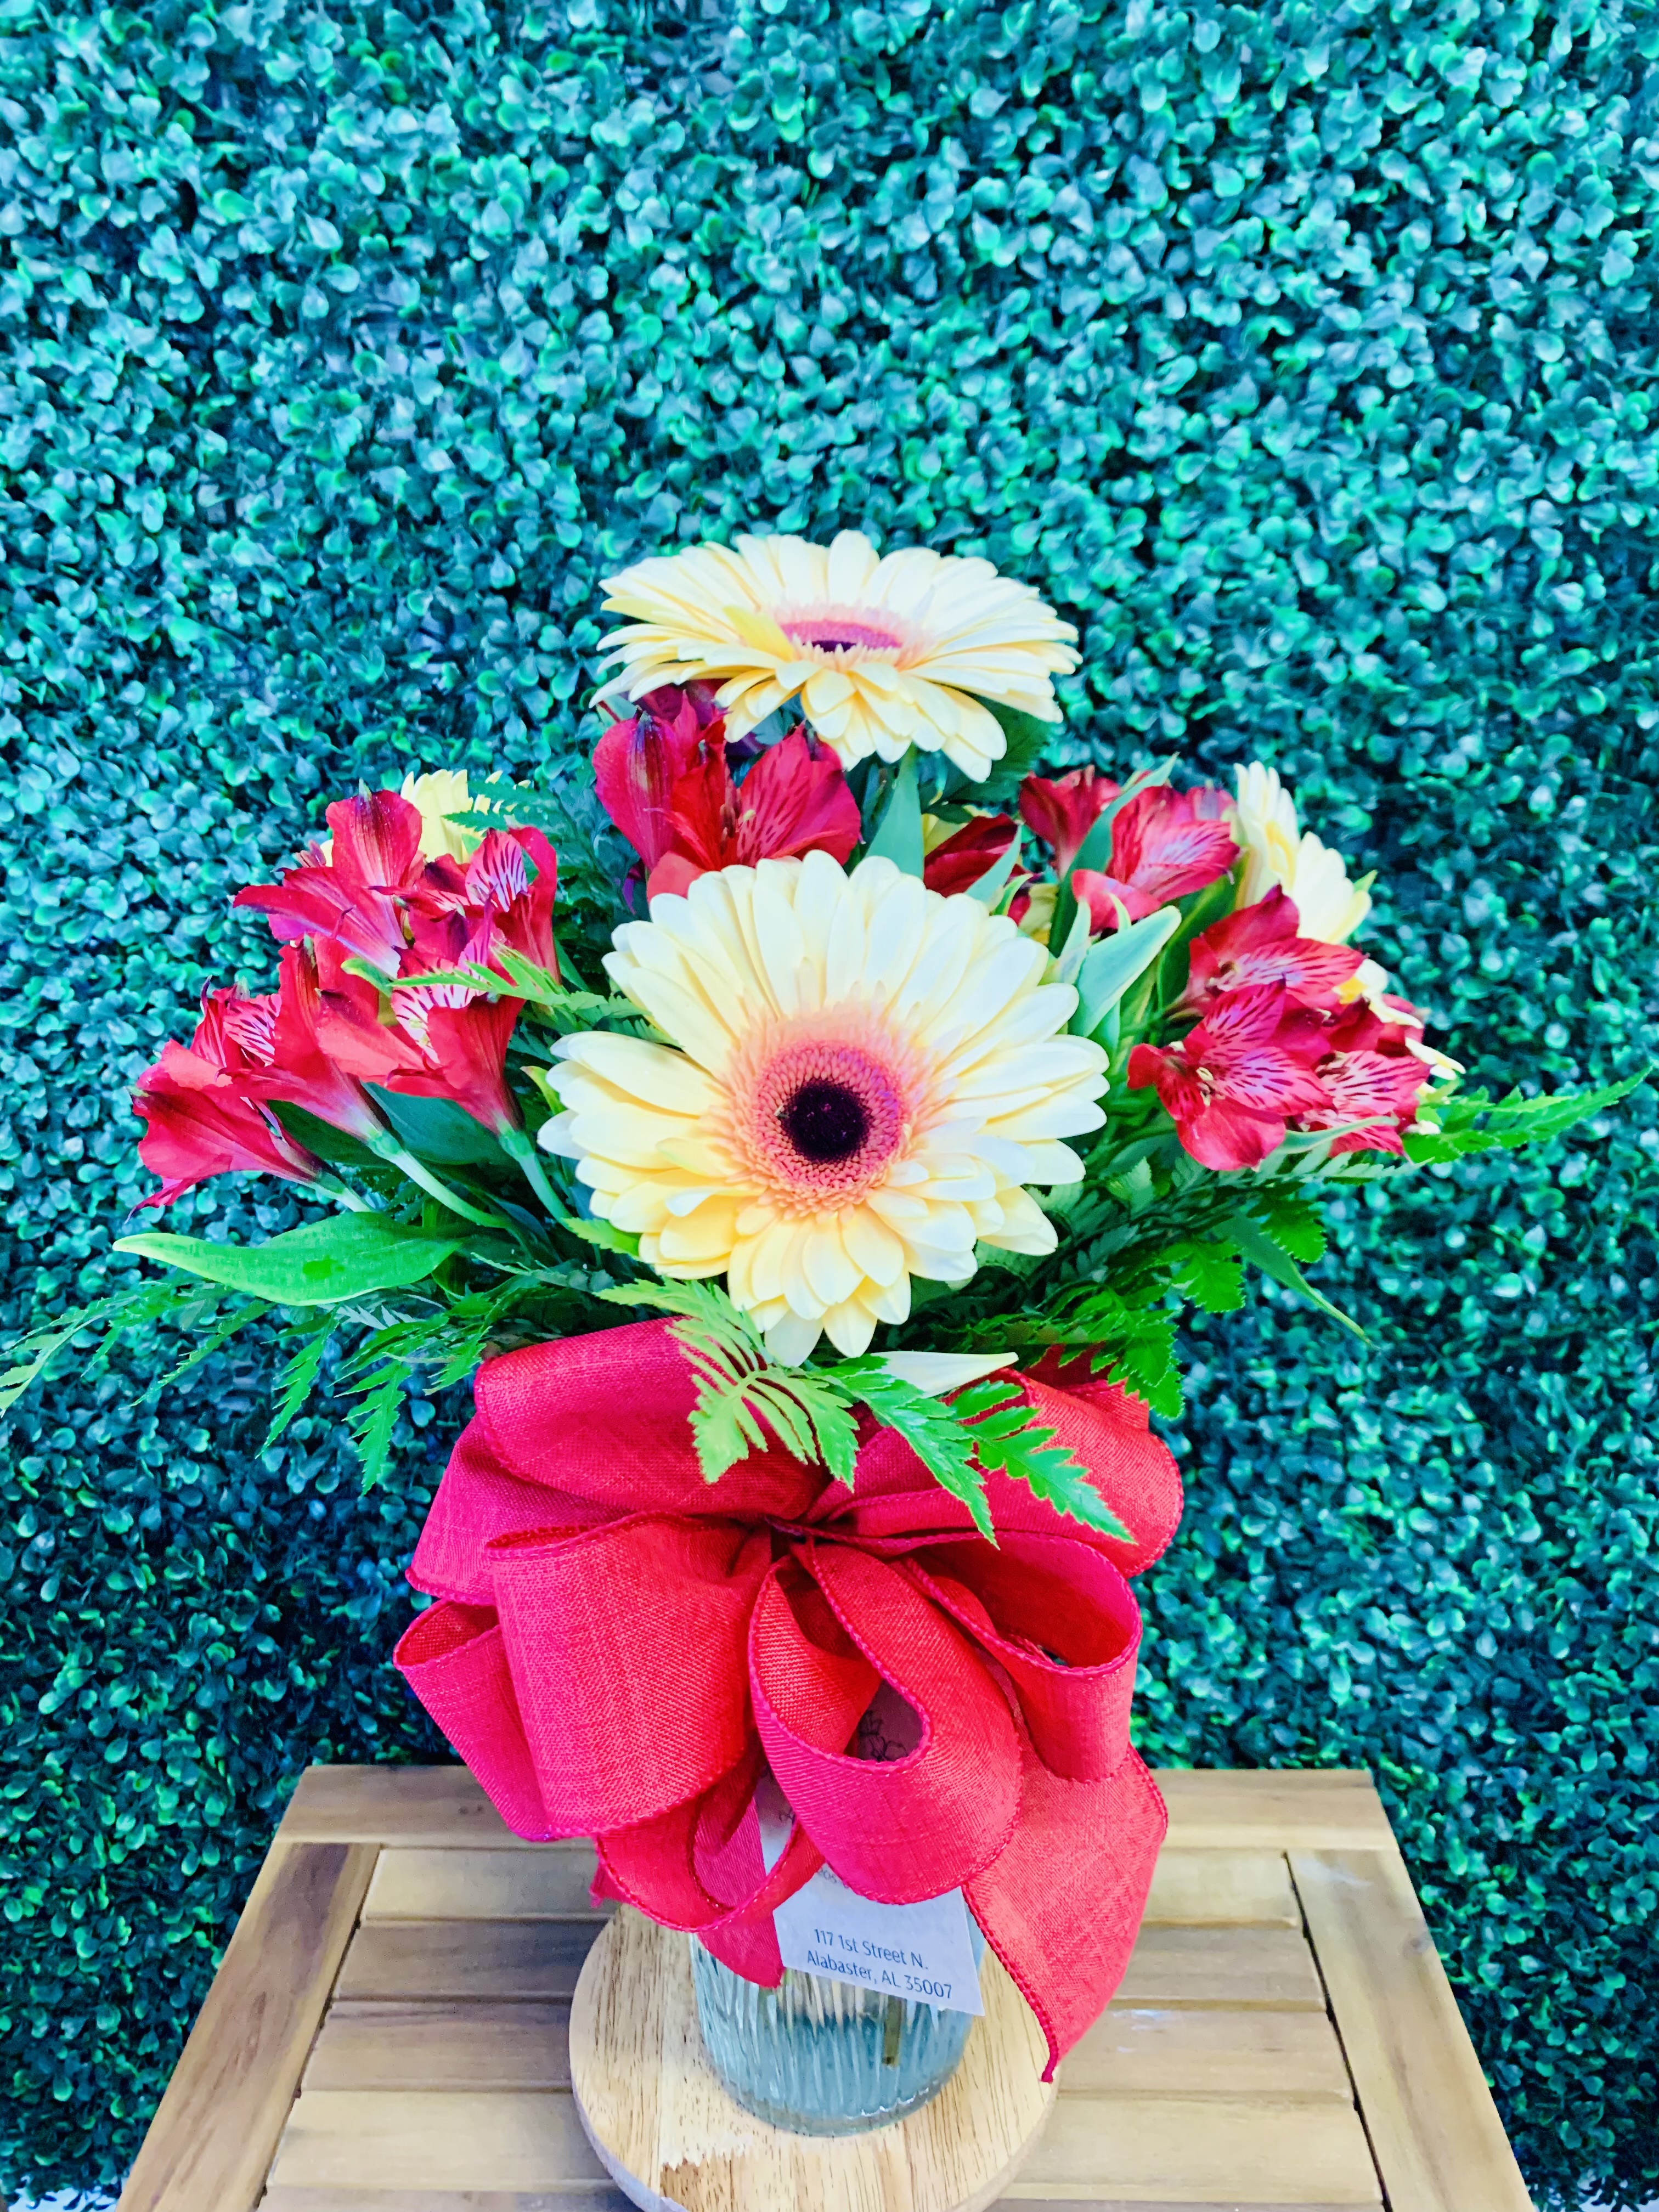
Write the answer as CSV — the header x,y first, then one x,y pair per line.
x,y
922,1952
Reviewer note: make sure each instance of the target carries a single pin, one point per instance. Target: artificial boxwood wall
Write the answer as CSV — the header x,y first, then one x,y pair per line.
x,y
1305,356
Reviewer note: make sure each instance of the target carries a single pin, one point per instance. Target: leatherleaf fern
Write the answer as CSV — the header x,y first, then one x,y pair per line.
x,y
984,1426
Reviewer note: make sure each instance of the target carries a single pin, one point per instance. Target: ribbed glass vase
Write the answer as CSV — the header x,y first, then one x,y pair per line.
x,y
821,2057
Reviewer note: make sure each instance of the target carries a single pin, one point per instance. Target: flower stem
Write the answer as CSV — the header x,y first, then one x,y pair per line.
x,y
522,1148
351,1199
386,1146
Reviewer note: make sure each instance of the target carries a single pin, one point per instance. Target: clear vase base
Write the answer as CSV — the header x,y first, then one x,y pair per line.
x,y
822,2057
673,2138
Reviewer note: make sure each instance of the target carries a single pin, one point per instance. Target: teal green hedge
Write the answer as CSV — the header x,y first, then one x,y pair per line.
x,y
1305,356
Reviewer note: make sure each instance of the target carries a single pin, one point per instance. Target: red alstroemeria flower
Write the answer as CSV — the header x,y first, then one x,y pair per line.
x,y
1261,945
465,1061
1063,810
491,897
1380,1089
1371,1068
352,893
637,762
1164,844
794,800
442,1041
301,1070
1233,1084
201,1117
972,852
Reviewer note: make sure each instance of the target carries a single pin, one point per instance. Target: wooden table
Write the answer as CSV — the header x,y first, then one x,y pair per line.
x,y
388,2030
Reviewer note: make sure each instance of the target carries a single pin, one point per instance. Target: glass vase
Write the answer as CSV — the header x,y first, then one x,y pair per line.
x,y
823,2057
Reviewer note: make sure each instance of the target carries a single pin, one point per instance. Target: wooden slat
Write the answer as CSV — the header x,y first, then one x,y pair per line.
x,y
1439,2140
1310,1809
574,2197
1203,1889
1313,1809
1197,2051
549,1882
428,1959
394,1805
1221,1966
445,2044
1213,2151
210,2141
399,2141
434,1958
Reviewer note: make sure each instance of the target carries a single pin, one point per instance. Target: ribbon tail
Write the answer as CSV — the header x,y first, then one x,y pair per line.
x,y
1061,1905
453,1659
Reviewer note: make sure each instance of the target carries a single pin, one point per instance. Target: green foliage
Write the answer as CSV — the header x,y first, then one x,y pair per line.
x,y
1306,359
344,1256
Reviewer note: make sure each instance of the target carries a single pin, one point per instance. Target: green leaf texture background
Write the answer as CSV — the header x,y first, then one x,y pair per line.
x,y
1305,356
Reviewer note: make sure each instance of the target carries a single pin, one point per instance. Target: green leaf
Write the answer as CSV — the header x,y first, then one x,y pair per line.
x,y
1473,1122
1008,1437
437,1130
348,1256
331,1146
1025,740
931,1426
372,1421
1209,1273
601,1233
740,1397
1110,967
113,1317
226,1325
1265,1251
297,1378
898,834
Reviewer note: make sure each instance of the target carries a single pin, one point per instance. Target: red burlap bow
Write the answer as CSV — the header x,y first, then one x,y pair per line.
x,y
625,1648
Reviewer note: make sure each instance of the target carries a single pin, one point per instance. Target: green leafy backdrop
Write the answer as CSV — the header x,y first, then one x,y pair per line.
x,y
1304,355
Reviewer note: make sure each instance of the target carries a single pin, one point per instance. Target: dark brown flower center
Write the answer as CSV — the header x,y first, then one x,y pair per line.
x,y
824,1120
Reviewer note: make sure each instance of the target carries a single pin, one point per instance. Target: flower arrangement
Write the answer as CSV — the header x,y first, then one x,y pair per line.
x,y
914,1093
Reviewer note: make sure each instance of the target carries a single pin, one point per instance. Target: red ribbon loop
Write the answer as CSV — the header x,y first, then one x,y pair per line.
x,y
623,1647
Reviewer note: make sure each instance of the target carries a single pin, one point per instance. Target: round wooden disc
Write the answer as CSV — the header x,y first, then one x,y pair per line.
x,y
673,2141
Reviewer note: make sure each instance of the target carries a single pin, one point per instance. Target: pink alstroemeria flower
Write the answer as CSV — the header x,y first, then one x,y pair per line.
x,y
200,1118
1164,844
794,800
1261,944
1062,810
1233,1084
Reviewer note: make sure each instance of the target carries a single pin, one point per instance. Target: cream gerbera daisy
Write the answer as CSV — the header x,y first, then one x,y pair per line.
x,y
867,1074
885,651
1275,851
1265,824
437,795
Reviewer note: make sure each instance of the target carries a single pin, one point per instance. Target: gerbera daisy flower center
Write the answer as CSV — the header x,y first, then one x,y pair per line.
x,y
824,1120
835,630
819,1118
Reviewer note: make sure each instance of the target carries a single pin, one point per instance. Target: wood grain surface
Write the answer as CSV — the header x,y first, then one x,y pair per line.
x,y
1302,1809
391,2031
665,2126
1438,2142
211,2142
